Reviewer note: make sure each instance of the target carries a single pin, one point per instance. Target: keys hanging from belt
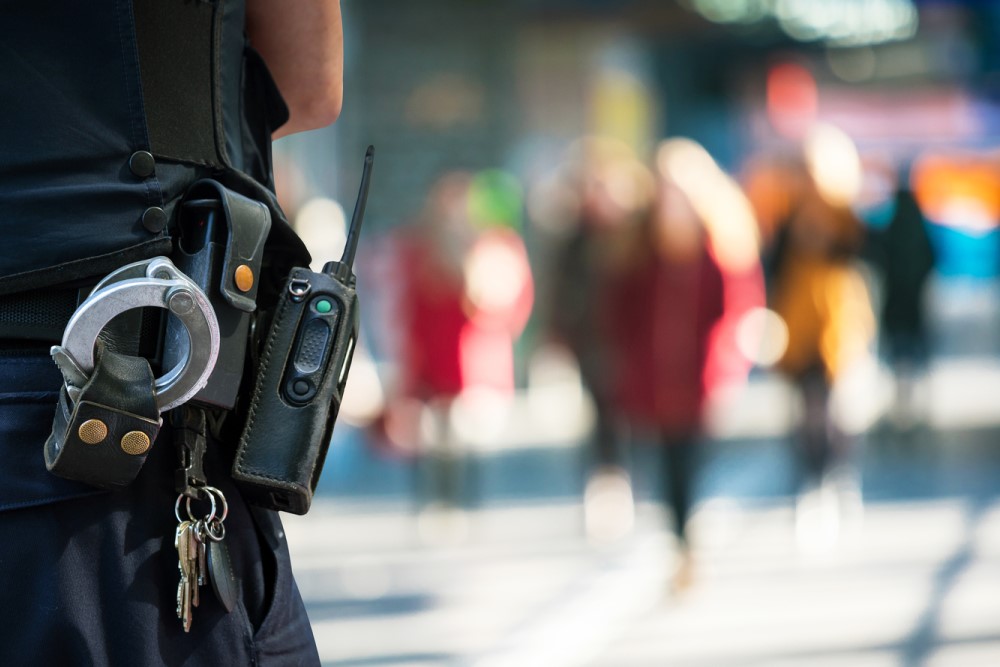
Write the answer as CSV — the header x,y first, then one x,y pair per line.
x,y
109,407
202,555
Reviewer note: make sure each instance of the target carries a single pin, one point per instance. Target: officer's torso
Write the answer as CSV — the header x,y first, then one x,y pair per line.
x,y
90,91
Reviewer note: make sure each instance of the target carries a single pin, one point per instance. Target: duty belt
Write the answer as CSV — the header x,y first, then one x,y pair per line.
x,y
38,318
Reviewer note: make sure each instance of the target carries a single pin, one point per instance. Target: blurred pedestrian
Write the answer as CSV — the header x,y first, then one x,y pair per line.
x,y
467,293
610,191
673,309
820,294
905,258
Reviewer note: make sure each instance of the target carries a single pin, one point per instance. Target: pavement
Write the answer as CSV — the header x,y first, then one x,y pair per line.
x,y
514,581
916,585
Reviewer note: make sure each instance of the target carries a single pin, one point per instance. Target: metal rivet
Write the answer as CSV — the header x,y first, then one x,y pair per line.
x,y
135,443
92,431
244,277
181,302
142,164
154,219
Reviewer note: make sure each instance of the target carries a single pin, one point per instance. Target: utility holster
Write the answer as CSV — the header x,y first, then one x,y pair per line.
x,y
103,432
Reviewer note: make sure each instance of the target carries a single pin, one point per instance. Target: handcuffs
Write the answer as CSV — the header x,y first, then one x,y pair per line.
x,y
155,283
110,404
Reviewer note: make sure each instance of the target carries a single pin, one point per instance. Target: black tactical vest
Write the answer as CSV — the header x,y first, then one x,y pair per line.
x,y
109,110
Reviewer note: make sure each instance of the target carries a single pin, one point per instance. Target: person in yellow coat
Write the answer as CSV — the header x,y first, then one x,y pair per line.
x,y
822,297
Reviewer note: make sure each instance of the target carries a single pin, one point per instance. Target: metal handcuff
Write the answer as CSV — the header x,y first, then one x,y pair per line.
x,y
153,283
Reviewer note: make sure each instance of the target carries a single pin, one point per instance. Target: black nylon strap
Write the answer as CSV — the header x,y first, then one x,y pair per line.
x,y
175,39
41,316
38,315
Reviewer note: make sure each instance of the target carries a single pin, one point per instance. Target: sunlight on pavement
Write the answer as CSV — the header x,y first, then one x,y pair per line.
x,y
918,580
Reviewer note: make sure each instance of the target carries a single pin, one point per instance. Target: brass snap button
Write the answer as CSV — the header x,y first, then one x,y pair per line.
x,y
92,431
135,443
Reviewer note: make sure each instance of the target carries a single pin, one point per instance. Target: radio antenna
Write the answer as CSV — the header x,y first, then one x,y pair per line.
x,y
359,210
344,268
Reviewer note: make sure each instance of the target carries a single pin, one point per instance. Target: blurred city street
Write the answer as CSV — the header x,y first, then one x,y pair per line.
x,y
515,582
680,340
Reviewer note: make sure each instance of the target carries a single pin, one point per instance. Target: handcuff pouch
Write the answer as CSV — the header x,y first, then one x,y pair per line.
x,y
103,435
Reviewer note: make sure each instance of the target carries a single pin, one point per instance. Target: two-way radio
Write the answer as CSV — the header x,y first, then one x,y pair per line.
x,y
303,369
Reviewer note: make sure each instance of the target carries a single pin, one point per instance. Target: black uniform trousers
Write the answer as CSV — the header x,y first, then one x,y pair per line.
x,y
90,577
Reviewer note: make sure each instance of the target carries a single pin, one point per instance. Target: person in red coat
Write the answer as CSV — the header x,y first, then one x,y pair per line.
x,y
468,294
673,310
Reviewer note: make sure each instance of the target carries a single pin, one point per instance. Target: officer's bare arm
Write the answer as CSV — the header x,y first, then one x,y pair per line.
x,y
302,42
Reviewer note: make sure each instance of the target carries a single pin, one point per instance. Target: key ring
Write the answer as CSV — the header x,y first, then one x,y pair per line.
x,y
212,526
177,507
211,498
222,498
214,530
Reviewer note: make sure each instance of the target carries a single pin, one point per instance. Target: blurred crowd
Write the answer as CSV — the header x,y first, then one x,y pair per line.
x,y
668,281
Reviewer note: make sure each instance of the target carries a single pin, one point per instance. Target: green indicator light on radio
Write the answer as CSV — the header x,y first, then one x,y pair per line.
x,y
323,306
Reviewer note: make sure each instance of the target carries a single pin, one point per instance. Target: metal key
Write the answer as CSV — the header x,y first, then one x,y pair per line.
x,y
181,549
194,563
184,593
197,540
202,539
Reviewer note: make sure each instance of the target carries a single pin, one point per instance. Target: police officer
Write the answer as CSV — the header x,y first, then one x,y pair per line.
x,y
111,109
